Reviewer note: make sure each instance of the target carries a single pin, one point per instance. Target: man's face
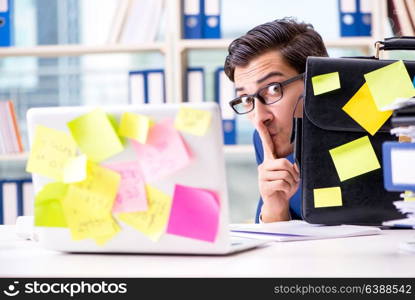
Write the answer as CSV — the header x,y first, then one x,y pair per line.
x,y
277,118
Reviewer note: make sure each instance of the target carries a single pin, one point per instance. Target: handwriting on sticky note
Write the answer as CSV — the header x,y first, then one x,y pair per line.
x,y
152,222
95,135
194,213
48,207
134,126
327,197
51,149
87,205
164,153
193,121
362,108
388,83
354,158
131,195
75,169
325,83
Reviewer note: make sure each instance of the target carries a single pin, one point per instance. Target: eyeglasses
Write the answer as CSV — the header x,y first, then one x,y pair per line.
x,y
269,94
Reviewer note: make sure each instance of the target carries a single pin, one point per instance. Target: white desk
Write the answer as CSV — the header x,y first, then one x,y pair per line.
x,y
369,256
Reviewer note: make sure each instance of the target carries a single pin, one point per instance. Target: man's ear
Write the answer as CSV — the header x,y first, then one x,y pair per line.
x,y
298,109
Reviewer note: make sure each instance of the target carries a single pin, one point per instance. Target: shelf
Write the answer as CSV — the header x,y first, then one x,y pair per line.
x,y
200,44
14,157
76,50
190,44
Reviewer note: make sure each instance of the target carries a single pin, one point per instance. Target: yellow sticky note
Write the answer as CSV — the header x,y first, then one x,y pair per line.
x,y
354,158
388,83
407,197
134,126
75,169
88,204
328,197
193,121
95,135
362,108
325,83
51,149
152,222
48,207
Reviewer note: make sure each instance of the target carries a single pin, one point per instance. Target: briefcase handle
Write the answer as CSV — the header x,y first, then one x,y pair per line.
x,y
395,43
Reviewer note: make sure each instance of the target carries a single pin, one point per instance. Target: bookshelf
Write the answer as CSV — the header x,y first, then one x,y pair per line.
x,y
175,51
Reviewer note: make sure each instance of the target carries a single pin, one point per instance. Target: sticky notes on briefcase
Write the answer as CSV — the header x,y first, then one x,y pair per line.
x,y
362,108
325,83
354,158
328,197
388,83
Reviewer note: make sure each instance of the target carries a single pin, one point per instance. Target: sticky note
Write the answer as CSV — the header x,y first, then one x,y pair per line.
x,y
164,153
51,149
193,121
131,195
362,108
325,83
75,169
48,207
194,213
87,204
328,197
153,221
95,135
407,197
134,126
388,83
354,158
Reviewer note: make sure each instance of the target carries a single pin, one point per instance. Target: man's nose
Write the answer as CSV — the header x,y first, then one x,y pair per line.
x,y
262,113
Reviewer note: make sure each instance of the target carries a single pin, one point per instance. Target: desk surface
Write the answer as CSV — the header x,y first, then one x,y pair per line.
x,y
368,256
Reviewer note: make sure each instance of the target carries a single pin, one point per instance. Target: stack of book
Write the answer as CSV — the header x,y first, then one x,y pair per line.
x,y
10,139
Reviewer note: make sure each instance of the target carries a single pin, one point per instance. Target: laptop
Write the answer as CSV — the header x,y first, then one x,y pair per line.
x,y
206,170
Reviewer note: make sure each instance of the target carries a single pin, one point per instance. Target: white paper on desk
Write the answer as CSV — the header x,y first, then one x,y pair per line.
x,y
299,230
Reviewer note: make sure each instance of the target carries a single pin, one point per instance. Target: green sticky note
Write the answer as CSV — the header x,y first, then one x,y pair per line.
x,y
354,158
388,83
95,135
327,197
134,126
48,207
325,83
75,169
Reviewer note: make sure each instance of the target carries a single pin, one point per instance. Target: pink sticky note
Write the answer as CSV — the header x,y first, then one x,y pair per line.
x,y
131,196
164,153
194,213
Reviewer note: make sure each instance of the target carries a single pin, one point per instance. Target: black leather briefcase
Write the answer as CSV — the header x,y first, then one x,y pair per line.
x,y
325,126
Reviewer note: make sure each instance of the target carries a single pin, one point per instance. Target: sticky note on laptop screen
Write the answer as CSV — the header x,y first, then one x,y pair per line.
x,y
152,222
95,135
131,196
403,166
134,126
362,108
327,197
193,121
325,83
164,153
50,150
48,207
388,83
354,158
194,213
75,169
87,205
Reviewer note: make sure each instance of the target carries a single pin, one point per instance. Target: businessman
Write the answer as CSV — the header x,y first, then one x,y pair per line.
x,y
267,65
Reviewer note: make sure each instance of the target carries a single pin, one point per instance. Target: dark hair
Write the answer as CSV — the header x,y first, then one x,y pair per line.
x,y
295,41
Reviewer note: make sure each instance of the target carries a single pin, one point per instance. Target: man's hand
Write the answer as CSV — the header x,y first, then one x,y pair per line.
x,y
278,181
